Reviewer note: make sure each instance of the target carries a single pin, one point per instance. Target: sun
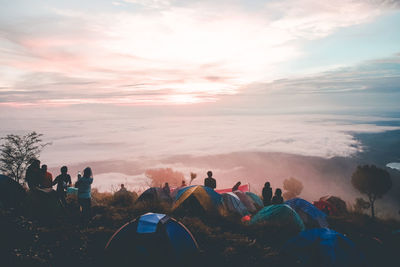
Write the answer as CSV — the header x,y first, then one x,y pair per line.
x,y
183,99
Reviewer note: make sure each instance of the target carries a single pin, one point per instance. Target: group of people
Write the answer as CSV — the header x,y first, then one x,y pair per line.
x,y
38,178
268,199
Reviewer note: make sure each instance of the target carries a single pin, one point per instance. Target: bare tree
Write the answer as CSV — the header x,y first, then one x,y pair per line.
x,y
16,151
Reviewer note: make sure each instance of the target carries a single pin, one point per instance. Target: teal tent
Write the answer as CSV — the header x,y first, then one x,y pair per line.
x,y
280,214
256,199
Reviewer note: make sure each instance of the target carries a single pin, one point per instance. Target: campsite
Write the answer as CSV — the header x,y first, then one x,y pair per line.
x,y
199,133
198,227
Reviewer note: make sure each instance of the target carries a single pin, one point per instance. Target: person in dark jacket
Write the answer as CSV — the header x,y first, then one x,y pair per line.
x,y
62,181
277,199
122,189
166,189
33,174
84,185
210,181
267,194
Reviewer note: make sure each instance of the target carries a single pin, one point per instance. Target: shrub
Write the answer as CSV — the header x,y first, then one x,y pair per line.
x,y
124,198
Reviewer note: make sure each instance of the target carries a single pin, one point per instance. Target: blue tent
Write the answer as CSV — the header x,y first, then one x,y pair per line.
x,y
308,212
280,214
322,247
155,195
233,204
152,240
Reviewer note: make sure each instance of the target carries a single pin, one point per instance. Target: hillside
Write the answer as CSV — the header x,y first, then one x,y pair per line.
x,y
59,241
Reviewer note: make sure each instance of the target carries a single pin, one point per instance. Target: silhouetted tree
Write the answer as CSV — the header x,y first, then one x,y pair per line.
x,y
371,181
292,187
16,151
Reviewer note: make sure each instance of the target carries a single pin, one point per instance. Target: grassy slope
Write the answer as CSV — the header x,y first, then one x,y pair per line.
x,y
223,241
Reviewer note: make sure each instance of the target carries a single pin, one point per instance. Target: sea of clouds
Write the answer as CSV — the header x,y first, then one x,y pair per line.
x,y
153,137
76,140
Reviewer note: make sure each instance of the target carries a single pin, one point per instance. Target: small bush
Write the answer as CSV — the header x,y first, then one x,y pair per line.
x,y
124,198
101,199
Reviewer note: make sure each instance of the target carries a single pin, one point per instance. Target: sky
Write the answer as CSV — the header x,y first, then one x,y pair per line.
x,y
147,80
161,52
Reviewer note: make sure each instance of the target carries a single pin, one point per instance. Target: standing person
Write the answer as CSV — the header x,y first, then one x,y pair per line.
x,y
277,199
183,183
47,177
166,189
84,185
123,188
267,194
210,181
62,181
33,174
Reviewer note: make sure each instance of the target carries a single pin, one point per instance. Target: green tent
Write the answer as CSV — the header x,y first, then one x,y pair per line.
x,y
281,214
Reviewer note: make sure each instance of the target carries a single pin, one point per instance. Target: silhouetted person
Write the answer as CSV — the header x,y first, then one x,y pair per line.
x,y
85,194
62,181
267,194
183,183
123,188
277,199
33,174
236,186
210,181
47,177
166,189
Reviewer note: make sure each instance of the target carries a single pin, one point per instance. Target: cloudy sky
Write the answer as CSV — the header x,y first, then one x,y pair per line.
x,y
301,53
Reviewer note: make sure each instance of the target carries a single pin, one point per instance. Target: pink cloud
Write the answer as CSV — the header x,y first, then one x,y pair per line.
x,y
194,52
